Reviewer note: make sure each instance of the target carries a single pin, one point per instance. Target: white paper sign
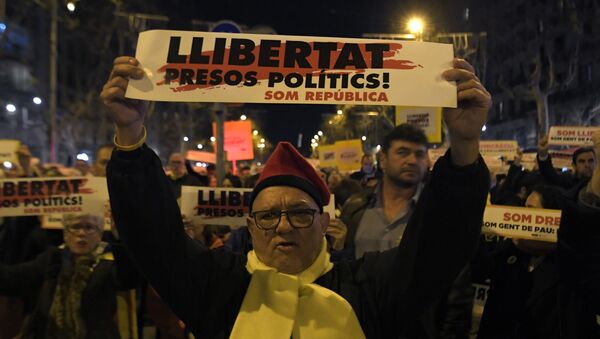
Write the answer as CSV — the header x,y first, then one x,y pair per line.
x,y
523,223
429,119
222,205
47,196
253,68
571,136
505,148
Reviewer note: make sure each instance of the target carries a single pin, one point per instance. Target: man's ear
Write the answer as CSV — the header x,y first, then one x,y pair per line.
x,y
325,218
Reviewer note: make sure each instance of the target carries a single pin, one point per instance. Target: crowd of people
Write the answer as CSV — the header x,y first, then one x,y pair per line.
x,y
397,260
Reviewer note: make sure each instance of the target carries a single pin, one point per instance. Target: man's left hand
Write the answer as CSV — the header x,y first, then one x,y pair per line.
x,y
337,230
465,122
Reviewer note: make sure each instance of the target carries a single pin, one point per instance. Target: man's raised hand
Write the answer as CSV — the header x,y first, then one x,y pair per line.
x,y
465,122
127,114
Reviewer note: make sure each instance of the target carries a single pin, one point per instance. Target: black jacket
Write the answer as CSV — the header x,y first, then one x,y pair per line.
x,y
389,291
566,181
38,278
452,317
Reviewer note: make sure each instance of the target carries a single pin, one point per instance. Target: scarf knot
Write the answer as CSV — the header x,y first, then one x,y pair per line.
x,y
279,305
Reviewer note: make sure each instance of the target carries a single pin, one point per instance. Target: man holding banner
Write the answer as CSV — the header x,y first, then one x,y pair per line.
x,y
584,162
220,294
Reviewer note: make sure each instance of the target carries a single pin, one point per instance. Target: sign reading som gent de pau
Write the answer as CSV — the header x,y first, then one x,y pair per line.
x,y
225,67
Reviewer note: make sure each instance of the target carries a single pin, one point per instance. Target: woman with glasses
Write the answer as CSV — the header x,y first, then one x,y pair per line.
x,y
73,287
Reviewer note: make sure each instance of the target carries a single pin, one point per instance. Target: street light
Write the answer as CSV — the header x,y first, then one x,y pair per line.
x,y
37,100
199,146
83,156
320,133
212,139
243,117
340,112
255,132
262,140
483,128
364,138
11,108
186,139
71,6
416,26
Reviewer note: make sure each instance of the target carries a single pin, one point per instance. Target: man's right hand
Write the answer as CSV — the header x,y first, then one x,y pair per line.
x,y
127,114
543,148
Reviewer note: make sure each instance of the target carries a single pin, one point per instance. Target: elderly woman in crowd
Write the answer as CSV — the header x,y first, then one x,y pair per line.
x,y
72,289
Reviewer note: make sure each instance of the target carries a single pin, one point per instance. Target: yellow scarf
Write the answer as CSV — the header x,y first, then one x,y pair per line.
x,y
279,305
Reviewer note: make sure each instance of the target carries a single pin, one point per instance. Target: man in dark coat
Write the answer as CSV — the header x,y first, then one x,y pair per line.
x,y
584,163
218,294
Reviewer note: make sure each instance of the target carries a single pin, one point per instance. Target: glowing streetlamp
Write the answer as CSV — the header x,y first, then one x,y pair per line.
x,y
416,26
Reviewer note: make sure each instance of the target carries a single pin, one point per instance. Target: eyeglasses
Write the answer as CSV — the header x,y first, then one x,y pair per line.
x,y
86,228
298,218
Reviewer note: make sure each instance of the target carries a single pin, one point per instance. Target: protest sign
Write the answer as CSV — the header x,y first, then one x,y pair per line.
x,y
435,154
529,161
221,205
8,150
201,156
348,154
238,140
561,159
223,67
327,156
504,148
55,221
495,164
45,196
429,119
520,222
571,135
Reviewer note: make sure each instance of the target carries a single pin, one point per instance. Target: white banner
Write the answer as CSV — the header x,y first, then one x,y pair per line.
x,y
521,222
8,149
251,68
222,206
429,119
504,148
46,196
571,135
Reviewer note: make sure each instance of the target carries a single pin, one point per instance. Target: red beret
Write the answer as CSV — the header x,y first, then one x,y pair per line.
x,y
287,167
